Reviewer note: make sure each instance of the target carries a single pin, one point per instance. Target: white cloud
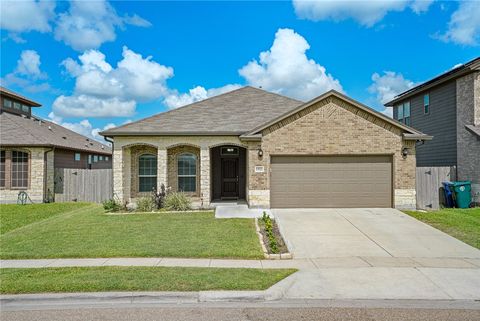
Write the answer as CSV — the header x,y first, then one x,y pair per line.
x,y
175,100
29,64
387,86
26,15
84,127
464,25
88,24
104,91
27,74
287,70
90,106
367,13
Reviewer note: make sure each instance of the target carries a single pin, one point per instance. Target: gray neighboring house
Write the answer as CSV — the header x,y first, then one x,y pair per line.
x,y
270,151
448,108
32,148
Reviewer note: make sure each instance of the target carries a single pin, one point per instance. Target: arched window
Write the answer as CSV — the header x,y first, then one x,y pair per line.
x,y
187,173
147,173
19,169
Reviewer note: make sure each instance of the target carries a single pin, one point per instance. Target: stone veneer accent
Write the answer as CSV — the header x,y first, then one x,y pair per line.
x,y
36,176
468,144
333,127
122,167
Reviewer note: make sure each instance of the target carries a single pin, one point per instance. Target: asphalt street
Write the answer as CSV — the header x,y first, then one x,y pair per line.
x,y
241,311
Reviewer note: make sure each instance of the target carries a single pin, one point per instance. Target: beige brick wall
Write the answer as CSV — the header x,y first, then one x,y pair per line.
x,y
332,127
36,177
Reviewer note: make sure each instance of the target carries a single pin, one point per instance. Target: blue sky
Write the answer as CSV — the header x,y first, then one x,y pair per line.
x,y
96,64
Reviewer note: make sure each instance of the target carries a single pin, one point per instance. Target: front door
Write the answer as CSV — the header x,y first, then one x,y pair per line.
x,y
229,178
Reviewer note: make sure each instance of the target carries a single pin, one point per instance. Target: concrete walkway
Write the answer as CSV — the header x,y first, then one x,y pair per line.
x,y
302,264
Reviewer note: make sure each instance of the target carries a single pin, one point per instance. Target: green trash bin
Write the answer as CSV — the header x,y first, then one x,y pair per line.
x,y
462,193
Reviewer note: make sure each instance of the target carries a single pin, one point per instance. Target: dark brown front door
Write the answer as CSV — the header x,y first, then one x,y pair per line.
x,y
229,178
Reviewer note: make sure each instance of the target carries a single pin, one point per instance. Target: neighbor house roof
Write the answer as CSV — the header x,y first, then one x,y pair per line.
x,y
408,132
471,66
18,130
232,113
8,93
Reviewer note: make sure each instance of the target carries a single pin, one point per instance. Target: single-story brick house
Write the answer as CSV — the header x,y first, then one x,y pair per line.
x,y
32,148
270,150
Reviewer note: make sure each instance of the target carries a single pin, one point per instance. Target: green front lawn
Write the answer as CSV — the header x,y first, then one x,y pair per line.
x,y
88,232
96,279
14,216
463,224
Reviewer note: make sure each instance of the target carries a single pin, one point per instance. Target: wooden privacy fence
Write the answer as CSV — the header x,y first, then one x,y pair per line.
x,y
429,186
83,185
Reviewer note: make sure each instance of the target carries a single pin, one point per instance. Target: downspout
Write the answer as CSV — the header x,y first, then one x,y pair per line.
x,y
45,174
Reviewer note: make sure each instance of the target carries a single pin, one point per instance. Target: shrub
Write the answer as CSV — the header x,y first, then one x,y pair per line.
x,y
272,241
146,204
111,206
177,202
159,197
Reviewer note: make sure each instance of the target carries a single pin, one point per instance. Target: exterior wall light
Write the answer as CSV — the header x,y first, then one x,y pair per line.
x,y
260,152
405,152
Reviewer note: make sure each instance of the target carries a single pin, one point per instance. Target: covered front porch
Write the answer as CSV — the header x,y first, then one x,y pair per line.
x,y
206,171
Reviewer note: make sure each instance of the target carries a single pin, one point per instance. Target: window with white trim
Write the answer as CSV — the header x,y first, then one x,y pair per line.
x,y
187,172
19,169
426,104
77,157
147,172
403,113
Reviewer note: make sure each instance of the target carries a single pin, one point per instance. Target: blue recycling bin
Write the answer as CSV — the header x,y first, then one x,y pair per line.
x,y
448,190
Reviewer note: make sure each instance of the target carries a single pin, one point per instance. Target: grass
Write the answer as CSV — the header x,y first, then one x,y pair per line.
x,y
93,279
463,224
13,216
88,232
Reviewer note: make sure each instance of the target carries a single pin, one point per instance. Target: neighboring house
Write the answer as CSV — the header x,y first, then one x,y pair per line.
x,y
448,108
31,148
271,151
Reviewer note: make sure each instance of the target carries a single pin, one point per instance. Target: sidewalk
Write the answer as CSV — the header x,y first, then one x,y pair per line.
x,y
301,264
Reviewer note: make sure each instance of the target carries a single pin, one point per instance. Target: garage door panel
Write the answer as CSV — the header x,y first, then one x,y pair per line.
x,y
320,181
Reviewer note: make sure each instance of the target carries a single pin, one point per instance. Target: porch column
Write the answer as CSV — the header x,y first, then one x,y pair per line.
x,y
161,168
119,165
205,175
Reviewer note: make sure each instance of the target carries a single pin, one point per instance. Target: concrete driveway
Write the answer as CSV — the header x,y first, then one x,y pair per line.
x,y
374,234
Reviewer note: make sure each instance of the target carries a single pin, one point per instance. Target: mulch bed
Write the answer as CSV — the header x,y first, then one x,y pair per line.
x,y
282,247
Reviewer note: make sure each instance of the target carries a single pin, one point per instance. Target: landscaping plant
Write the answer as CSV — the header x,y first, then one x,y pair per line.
x,y
272,241
177,202
111,206
146,204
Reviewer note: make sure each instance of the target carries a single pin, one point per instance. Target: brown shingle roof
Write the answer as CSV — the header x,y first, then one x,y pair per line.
x,y
17,130
7,92
232,113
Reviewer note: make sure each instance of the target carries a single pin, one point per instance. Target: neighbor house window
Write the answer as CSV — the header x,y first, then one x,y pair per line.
x,y
403,113
77,157
19,169
95,158
7,103
2,168
426,104
100,157
17,105
106,158
187,173
25,108
147,173
89,159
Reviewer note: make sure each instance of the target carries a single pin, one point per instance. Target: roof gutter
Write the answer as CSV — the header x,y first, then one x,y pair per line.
x,y
417,137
